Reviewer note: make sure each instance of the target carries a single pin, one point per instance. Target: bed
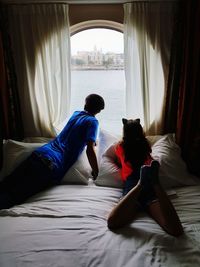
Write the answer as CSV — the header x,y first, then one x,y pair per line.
x,y
66,225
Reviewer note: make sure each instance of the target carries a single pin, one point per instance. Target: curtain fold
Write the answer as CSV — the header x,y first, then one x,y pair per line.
x,y
11,120
10,114
41,45
148,28
183,97
172,93
188,114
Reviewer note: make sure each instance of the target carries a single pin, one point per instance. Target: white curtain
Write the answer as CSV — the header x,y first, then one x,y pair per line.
x,y
41,45
147,39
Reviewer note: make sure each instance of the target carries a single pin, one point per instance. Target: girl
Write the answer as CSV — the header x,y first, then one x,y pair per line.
x,y
142,189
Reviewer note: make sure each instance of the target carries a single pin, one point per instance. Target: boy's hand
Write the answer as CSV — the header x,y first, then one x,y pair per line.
x,y
94,175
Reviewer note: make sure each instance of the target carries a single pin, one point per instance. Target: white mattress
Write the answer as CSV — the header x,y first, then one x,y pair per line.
x,y
66,227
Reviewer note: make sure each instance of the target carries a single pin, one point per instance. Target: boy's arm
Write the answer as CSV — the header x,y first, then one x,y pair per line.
x,y
91,154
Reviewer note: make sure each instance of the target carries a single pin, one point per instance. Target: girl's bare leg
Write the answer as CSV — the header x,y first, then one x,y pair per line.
x,y
124,212
163,212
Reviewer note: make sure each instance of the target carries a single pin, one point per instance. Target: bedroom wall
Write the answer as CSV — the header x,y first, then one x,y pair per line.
x,y
80,13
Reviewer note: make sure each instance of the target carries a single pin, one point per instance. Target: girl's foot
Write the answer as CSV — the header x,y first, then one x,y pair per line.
x,y
154,172
145,175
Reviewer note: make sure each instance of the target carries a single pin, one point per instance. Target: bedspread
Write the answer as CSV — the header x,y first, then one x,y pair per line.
x,y
66,226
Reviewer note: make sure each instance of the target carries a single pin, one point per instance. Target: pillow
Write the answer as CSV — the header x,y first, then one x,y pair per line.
x,y
109,172
80,171
173,170
153,138
105,139
37,139
14,152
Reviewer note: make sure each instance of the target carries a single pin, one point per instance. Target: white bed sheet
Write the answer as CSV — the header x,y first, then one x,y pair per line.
x,y
66,226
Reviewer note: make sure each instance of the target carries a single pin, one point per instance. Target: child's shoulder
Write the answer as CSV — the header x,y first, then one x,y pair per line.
x,y
119,143
119,146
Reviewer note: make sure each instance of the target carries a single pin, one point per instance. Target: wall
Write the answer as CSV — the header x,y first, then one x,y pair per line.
x,y
80,13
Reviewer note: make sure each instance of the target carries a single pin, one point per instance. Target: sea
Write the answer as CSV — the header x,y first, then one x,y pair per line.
x,y
110,84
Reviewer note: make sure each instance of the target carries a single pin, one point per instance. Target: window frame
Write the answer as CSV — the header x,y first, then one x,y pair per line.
x,y
92,24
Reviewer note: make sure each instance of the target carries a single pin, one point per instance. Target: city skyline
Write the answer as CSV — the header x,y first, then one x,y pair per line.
x,y
95,48
97,59
104,39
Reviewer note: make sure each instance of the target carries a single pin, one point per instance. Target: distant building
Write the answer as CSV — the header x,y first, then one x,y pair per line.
x,y
97,59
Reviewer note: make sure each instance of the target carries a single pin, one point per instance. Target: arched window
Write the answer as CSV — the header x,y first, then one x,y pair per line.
x,y
97,59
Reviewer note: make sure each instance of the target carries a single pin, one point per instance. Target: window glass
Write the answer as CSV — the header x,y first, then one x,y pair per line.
x,y
97,63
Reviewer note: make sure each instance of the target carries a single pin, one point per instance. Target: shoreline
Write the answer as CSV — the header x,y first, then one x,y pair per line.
x,y
78,69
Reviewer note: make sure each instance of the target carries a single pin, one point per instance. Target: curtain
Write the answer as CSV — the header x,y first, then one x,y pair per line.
x,y
172,92
188,122
148,28
10,114
188,113
41,45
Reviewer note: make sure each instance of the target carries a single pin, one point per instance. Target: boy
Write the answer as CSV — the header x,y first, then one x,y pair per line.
x,y
47,165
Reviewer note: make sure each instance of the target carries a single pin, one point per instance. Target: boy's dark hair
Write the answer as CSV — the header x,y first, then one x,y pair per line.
x,y
136,146
94,103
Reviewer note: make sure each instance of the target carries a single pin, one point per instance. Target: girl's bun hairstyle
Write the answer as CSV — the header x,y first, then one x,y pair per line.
x,y
136,146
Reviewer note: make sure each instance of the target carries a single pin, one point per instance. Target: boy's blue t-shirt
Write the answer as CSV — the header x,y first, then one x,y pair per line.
x,y
64,150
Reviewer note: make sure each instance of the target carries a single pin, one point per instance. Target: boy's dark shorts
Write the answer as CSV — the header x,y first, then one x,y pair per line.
x,y
147,194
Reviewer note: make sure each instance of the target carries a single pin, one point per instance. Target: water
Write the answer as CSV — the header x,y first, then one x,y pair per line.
x,y
110,84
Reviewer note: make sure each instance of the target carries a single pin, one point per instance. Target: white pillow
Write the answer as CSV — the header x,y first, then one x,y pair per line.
x,y
38,139
105,139
81,168
153,138
173,170
80,172
109,172
14,152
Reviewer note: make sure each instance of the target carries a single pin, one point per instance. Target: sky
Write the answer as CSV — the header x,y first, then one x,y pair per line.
x,y
105,39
